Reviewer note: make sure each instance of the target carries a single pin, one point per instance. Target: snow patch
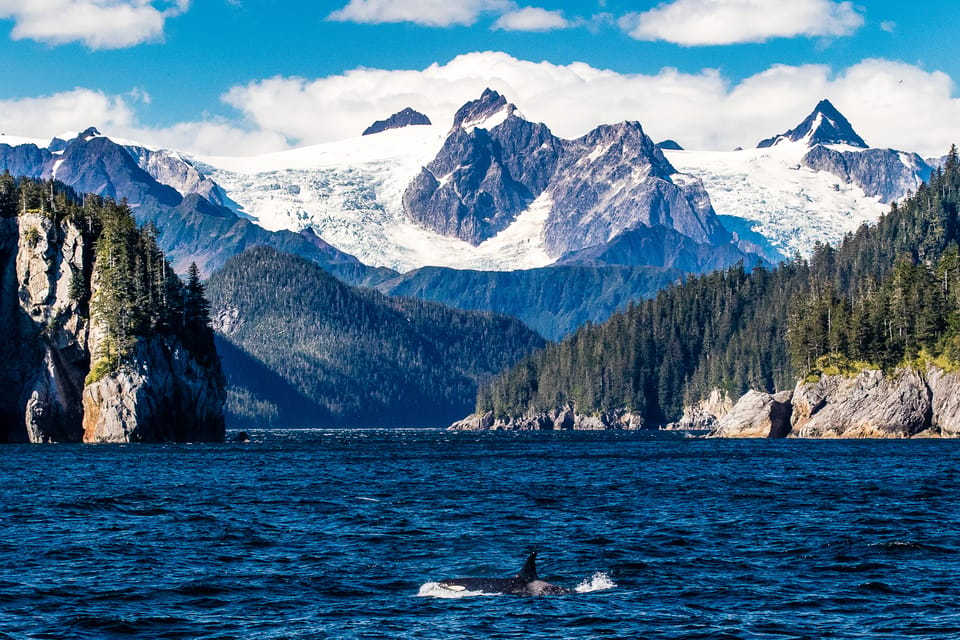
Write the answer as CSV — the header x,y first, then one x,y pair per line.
x,y
791,205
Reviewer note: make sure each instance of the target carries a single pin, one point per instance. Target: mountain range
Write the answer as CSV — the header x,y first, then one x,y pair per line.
x,y
496,213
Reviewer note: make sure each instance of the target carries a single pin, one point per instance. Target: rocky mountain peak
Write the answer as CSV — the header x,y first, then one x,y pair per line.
x,y
406,118
89,132
824,125
487,112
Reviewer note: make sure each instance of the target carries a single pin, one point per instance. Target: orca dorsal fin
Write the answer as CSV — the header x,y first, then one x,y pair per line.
x,y
529,571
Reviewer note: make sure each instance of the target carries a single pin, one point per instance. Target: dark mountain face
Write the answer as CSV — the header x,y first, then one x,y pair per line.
x,y
494,164
406,118
322,353
825,125
482,179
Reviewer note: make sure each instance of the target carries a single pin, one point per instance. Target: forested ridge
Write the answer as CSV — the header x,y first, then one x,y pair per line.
x,y
301,348
130,289
888,293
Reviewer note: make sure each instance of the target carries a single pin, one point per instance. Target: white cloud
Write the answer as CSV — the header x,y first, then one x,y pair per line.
x,y
889,26
532,19
46,116
98,24
432,13
889,103
721,22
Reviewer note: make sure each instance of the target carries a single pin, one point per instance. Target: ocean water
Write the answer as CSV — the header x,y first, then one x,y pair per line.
x,y
344,534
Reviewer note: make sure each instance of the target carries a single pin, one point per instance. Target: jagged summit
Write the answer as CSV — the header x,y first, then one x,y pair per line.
x,y
487,112
406,118
89,132
825,125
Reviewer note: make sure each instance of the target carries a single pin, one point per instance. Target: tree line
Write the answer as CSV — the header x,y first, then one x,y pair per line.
x,y
884,294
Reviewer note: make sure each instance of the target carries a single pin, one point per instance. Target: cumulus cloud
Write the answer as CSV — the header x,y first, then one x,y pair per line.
x,y
98,24
532,19
431,13
721,22
71,111
889,103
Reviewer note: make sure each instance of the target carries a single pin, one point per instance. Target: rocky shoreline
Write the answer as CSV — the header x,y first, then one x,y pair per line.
x,y
908,403
565,419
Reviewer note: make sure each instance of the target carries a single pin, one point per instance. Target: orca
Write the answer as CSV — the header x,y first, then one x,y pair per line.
x,y
525,583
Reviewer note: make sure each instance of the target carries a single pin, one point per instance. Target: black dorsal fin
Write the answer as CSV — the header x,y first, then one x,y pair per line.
x,y
529,571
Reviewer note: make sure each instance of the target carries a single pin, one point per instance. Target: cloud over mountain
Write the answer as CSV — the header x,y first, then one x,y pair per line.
x,y
891,104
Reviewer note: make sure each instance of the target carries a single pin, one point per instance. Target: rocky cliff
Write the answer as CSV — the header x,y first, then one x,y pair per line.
x,y
907,403
495,166
163,392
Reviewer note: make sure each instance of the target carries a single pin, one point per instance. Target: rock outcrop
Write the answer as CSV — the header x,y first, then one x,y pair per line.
x,y
757,415
564,419
406,118
883,173
162,393
868,405
905,404
705,414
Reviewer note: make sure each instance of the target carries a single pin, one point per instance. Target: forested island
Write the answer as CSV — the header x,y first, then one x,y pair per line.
x,y
102,340
887,300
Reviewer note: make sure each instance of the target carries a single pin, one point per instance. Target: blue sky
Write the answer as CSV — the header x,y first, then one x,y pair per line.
x,y
245,76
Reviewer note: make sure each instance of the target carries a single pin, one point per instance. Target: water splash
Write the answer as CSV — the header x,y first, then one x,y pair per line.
x,y
599,581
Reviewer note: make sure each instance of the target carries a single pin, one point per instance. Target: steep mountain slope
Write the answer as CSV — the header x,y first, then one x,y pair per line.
x,y
309,350
494,192
815,183
192,228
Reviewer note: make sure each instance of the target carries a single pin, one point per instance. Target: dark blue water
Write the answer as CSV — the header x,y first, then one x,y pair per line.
x,y
333,535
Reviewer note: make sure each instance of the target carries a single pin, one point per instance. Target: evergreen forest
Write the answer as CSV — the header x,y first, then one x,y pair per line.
x,y
887,296
129,290
301,348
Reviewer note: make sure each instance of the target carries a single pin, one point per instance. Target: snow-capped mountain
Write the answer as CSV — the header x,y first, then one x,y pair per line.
x,y
493,192
814,183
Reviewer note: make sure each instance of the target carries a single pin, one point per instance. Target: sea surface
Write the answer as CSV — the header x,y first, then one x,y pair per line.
x,y
344,534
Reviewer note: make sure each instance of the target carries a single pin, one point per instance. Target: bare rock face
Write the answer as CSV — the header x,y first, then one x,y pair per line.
x,y
868,405
757,415
164,395
945,398
704,415
50,327
46,278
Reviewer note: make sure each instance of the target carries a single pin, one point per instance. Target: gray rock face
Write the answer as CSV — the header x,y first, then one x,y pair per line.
x,y
494,164
757,415
945,400
172,169
562,419
406,118
164,395
482,179
704,415
47,346
868,405
885,173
